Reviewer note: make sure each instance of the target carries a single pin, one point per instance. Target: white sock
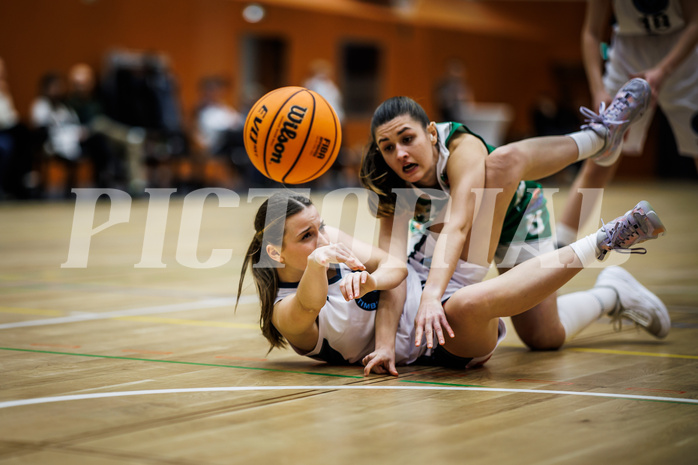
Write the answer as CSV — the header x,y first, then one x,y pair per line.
x,y
588,142
565,234
608,297
587,249
580,309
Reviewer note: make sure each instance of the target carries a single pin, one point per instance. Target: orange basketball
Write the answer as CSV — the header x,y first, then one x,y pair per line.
x,y
292,135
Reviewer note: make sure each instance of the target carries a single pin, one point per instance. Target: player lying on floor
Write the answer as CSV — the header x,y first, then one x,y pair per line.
x,y
319,297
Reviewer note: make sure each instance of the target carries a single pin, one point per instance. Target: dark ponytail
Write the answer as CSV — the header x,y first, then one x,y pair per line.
x,y
269,226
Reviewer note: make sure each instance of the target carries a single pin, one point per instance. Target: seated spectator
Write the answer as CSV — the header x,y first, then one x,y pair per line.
x,y
83,99
452,94
15,163
321,81
218,132
56,126
215,119
345,169
142,104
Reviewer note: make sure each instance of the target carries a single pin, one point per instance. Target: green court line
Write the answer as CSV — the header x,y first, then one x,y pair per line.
x,y
334,375
292,371
440,384
115,357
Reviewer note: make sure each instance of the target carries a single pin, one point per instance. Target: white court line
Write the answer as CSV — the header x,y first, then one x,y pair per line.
x,y
199,304
46,400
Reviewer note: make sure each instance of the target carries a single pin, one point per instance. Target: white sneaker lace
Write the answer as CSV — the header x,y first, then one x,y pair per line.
x,y
619,313
603,117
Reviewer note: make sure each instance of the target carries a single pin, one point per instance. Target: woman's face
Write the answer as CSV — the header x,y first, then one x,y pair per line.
x,y
304,232
409,149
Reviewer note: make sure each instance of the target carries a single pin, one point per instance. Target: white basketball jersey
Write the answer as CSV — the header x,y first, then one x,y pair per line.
x,y
346,330
648,17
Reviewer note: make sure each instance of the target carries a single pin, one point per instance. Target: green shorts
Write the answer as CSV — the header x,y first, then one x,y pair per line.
x,y
526,231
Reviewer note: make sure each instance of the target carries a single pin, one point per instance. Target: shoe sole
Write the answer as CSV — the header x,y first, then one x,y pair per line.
x,y
617,273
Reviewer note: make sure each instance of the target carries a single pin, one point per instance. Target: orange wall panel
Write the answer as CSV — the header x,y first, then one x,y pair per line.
x,y
202,37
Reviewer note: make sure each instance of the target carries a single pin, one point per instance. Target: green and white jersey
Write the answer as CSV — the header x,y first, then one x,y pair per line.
x,y
527,219
428,208
436,201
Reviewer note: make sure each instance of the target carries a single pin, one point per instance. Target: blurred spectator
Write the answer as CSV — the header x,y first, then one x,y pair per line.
x,y
15,162
57,129
346,167
321,81
218,132
82,98
216,119
141,97
8,119
452,93
251,92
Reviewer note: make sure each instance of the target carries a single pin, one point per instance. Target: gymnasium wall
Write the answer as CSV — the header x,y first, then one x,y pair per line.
x,y
202,37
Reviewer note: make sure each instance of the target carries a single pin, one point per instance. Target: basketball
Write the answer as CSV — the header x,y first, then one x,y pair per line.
x,y
292,135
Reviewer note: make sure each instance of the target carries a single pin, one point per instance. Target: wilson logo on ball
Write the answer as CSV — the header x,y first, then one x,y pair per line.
x,y
292,135
288,131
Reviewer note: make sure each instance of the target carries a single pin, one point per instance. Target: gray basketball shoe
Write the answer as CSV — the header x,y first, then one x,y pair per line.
x,y
611,123
635,303
637,225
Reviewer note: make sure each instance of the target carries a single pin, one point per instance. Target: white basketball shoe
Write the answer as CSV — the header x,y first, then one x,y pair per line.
x,y
635,303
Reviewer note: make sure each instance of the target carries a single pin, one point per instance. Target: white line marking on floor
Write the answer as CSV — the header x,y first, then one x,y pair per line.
x,y
46,400
197,305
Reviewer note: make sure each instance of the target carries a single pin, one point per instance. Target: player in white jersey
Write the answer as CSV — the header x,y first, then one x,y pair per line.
x,y
656,40
311,299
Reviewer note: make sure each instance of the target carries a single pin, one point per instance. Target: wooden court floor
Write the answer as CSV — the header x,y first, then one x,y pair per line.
x,y
116,363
